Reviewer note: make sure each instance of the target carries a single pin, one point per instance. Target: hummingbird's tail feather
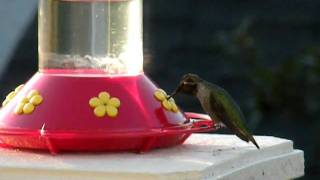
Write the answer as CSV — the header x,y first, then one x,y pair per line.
x,y
254,142
246,137
241,133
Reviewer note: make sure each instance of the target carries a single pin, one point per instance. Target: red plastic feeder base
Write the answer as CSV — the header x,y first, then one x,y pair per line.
x,y
65,121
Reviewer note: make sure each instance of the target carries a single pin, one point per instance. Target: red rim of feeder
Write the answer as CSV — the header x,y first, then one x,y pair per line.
x,y
151,138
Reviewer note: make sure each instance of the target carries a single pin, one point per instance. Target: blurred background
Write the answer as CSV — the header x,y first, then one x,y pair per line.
x,y
265,53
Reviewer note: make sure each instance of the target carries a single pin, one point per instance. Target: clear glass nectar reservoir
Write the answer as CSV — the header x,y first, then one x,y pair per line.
x,y
82,36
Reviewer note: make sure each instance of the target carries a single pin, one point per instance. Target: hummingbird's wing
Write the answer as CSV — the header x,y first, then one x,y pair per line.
x,y
230,114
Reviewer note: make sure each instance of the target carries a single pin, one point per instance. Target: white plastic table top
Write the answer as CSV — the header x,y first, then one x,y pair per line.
x,y
203,156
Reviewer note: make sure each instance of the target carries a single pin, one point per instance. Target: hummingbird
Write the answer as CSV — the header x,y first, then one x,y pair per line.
x,y
217,103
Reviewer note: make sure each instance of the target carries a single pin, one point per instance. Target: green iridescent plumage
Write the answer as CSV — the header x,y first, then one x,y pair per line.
x,y
218,104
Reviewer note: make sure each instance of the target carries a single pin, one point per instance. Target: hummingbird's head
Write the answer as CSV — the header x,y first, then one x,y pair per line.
x,y
188,84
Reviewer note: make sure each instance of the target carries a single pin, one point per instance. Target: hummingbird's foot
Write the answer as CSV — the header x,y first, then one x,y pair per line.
x,y
219,125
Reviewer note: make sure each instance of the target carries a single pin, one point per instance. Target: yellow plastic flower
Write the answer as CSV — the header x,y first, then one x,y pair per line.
x,y
168,104
28,104
11,95
104,105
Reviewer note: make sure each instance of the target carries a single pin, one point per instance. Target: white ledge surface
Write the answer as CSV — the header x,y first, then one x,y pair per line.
x,y
201,157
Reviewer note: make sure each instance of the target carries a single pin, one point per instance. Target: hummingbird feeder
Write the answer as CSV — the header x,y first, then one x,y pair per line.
x,y
90,93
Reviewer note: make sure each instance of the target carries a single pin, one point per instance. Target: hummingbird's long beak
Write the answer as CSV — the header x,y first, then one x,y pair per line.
x,y
176,91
